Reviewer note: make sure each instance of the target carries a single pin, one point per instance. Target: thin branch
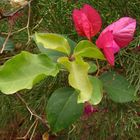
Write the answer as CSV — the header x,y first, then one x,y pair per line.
x,y
6,40
34,131
28,22
31,111
73,127
98,68
18,30
39,22
27,25
29,130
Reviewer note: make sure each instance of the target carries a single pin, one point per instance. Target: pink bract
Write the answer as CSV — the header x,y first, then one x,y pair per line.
x,y
87,21
117,35
89,109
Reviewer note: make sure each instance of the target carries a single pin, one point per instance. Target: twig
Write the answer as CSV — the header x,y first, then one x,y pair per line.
x,y
26,135
98,67
28,22
32,112
34,130
73,127
39,22
27,25
6,40
19,30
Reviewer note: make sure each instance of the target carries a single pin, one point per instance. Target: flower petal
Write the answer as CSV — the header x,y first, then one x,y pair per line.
x,y
89,109
82,24
108,45
94,18
123,30
117,35
109,54
123,34
115,47
87,27
87,21
78,22
105,40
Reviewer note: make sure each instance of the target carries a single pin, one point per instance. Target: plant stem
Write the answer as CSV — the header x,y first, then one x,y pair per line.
x,y
31,111
6,40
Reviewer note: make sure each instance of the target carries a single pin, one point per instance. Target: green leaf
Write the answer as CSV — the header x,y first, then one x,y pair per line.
x,y
62,109
86,48
52,41
117,87
71,43
78,77
97,93
54,55
9,45
24,70
93,67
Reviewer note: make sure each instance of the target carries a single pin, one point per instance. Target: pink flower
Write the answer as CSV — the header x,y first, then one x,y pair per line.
x,y
87,21
117,35
89,109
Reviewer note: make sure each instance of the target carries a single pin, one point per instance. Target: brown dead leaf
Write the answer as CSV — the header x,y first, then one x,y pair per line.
x,y
45,136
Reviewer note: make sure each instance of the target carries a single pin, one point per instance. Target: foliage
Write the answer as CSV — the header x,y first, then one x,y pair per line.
x,y
24,70
124,117
62,113
117,87
78,78
9,45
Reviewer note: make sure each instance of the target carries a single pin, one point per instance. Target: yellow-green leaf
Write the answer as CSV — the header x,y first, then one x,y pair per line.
x,y
24,70
78,77
97,93
86,48
52,41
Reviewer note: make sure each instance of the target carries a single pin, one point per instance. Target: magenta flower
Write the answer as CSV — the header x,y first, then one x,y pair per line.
x,y
89,109
117,35
87,21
